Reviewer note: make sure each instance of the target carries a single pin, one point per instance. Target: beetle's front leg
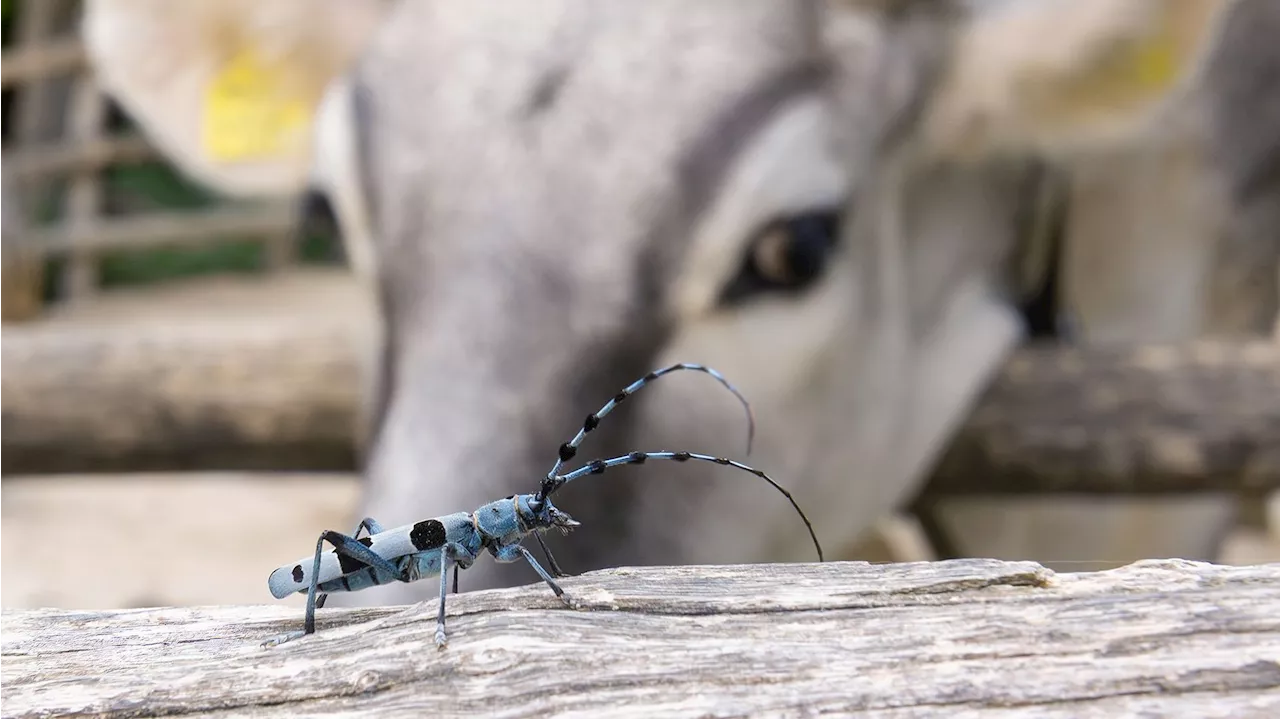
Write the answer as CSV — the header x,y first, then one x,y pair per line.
x,y
556,571
513,552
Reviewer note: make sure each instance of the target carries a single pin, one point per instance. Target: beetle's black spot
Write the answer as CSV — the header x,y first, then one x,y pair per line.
x,y
348,564
297,573
617,398
597,466
651,376
590,423
636,458
495,510
567,452
721,460
510,496
345,563
427,534
681,457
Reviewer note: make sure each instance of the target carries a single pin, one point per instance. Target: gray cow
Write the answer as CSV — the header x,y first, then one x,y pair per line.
x,y
551,198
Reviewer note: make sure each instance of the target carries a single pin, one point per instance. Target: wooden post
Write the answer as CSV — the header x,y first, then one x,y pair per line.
x,y
35,110
280,249
23,266
88,109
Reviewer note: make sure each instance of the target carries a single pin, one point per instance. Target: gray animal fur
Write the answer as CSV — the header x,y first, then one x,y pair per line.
x,y
543,184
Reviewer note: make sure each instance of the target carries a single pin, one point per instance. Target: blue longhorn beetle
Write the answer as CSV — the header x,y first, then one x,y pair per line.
x,y
432,546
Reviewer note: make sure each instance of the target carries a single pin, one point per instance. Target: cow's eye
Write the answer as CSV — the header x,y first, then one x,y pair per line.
x,y
787,256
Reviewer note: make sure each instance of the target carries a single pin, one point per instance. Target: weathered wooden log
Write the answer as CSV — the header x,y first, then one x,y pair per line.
x,y
1124,419
280,393
959,638
264,394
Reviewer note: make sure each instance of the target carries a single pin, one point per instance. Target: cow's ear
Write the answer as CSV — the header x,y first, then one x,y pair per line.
x,y
1054,75
228,89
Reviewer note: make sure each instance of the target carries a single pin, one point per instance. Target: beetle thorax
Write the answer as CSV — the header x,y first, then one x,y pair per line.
x,y
500,521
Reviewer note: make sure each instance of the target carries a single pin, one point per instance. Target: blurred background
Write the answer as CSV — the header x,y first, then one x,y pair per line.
x,y
107,246
181,389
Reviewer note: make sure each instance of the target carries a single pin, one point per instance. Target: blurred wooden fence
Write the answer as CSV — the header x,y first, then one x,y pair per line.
x,y
59,142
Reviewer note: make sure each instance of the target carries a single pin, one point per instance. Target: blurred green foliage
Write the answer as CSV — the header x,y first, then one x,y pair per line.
x,y
156,186
152,186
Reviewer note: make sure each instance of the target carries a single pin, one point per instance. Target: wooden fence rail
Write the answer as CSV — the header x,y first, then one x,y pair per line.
x,y
277,392
41,58
963,638
40,161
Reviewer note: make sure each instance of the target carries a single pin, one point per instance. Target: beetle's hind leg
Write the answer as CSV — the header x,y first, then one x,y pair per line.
x,y
448,558
347,547
370,525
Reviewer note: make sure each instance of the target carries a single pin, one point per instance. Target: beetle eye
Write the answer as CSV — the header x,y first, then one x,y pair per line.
x,y
787,256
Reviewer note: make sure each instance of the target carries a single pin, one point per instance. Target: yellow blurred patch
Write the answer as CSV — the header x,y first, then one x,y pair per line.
x,y
252,112
1127,74
1141,72
1155,66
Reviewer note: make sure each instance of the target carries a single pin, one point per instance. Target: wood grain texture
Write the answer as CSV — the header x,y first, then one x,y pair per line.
x,y
281,393
958,638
